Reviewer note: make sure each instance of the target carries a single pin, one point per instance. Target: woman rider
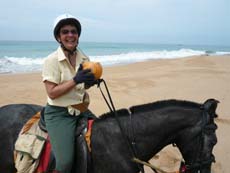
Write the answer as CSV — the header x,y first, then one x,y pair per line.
x,y
65,82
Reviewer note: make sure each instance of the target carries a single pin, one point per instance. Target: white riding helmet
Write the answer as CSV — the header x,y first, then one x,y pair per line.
x,y
65,19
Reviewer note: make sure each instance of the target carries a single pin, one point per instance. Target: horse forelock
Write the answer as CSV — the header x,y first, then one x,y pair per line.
x,y
164,103
120,112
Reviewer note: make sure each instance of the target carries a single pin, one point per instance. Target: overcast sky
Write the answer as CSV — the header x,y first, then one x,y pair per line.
x,y
154,21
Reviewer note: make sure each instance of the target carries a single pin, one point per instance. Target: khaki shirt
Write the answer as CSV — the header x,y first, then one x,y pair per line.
x,y
57,69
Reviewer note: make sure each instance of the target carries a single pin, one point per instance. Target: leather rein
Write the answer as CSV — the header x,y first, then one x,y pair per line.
x,y
130,141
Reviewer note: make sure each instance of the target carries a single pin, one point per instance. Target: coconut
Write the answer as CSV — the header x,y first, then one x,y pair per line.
x,y
95,68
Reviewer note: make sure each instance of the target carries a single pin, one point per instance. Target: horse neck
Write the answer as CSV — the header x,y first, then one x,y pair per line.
x,y
153,130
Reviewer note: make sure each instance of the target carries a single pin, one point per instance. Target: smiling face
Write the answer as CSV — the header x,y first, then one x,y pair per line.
x,y
68,36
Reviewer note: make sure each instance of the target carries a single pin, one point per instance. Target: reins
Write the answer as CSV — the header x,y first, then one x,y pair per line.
x,y
130,142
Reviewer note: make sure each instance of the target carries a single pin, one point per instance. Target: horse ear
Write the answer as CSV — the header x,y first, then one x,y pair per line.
x,y
210,106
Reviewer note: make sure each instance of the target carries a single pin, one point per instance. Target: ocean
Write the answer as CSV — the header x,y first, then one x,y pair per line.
x,y
28,56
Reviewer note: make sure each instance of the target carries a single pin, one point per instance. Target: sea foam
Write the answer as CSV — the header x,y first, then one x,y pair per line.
x,y
28,64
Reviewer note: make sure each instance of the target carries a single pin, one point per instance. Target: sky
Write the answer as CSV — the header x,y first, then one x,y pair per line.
x,y
138,21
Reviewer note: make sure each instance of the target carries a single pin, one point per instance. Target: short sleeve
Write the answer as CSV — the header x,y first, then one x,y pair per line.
x,y
51,71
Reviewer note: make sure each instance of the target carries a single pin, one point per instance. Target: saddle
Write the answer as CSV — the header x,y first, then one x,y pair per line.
x,y
34,153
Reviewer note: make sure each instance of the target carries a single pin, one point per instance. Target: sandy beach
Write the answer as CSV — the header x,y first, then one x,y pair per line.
x,y
194,78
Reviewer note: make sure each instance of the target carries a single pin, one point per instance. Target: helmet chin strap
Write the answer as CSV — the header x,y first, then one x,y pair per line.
x,y
70,52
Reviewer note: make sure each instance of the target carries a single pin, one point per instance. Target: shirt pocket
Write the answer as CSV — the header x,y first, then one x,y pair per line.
x,y
66,75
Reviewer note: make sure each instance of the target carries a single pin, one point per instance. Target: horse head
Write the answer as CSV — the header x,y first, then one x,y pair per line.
x,y
199,159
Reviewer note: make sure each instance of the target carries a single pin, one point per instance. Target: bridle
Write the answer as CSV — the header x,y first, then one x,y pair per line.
x,y
199,164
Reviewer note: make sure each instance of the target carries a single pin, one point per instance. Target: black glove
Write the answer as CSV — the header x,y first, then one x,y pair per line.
x,y
84,76
90,84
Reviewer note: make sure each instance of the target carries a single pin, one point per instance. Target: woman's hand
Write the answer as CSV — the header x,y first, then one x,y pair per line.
x,y
84,76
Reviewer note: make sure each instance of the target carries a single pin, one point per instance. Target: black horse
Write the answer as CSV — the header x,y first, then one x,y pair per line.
x,y
151,127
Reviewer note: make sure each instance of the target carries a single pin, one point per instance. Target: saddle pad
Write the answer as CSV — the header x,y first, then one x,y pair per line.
x,y
88,134
30,122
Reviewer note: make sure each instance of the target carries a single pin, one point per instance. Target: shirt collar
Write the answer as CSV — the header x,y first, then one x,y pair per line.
x,y
61,55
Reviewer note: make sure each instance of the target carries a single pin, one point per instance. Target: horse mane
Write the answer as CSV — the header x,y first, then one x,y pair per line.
x,y
152,106
120,112
159,104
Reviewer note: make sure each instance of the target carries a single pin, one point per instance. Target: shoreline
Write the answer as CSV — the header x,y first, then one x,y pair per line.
x,y
122,63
